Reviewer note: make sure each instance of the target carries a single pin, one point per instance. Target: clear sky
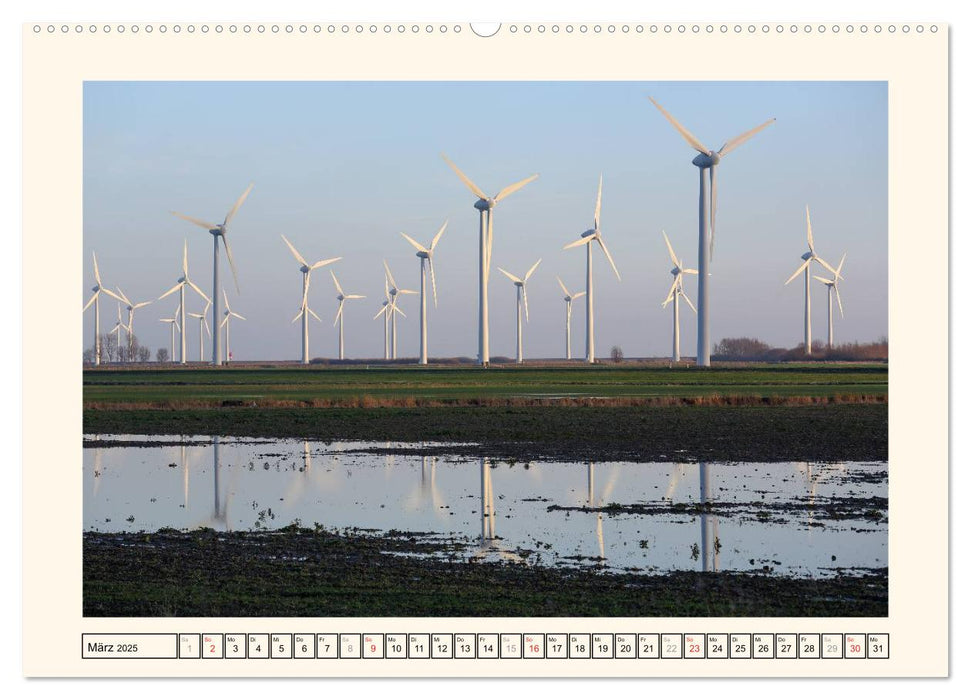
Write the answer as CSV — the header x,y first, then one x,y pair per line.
x,y
342,168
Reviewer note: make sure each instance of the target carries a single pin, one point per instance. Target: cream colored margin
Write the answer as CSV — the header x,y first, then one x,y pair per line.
x,y
55,65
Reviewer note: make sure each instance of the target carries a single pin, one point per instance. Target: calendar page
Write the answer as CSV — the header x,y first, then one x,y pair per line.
x,y
645,430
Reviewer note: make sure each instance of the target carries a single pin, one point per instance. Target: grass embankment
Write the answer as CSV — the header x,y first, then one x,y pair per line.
x,y
314,574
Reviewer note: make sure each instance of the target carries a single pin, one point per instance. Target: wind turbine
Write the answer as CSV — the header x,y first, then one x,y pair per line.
x,y
306,268
339,319
95,299
173,322
203,324
388,309
131,320
180,288
569,313
116,329
808,257
394,291
587,238
227,314
833,288
707,160
485,204
522,302
677,290
217,232
423,255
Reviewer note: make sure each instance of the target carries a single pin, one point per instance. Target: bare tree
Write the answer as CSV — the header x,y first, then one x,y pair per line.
x,y
616,354
144,353
162,355
87,357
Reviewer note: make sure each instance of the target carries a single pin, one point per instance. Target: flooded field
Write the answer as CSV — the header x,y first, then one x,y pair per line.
x,y
791,518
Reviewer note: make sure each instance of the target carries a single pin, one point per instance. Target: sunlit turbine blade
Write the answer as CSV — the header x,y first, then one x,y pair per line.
x,y
488,265
198,291
90,301
468,183
205,323
198,222
742,138
826,265
578,295
689,302
224,321
839,268
607,253
407,291
822,279
306,290
355,296
97,273
340,310
586,240
674,288
243,318
506,191
112,294
336,283
390,276
294,251
596,210
510,275
321,263
688,136
185,258
431,268
239,203
308,309
798,270
229,257
532,269
415,243
382,310
689,271
438,235
809,232
562,286
395,309
128,303
171,291
526,303
838,300
674,258
226,299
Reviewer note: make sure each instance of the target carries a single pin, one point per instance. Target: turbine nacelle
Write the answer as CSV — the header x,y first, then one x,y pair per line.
x,y
808,255
706,160
485,204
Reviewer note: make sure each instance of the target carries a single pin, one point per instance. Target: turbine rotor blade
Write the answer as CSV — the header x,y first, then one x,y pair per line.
x,y
197,290
562,286
825,264
798,270
294,251
809,232
308,309
322,263
237,205
340,310
586,240
185,258
437,236
462,176
532,269
578,295
689,302
191,219
112,294
243,318
510,276
390,276
97,273
431,267
526,303
687,135
607,253
674,258
822,279
171,291
127,302
506,191
674,288
415,243
742,138
336,283
839,268
596,210
838,300
229,257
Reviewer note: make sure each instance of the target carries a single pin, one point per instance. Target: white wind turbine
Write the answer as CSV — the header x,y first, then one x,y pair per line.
x,y
306,268
521,303
116,329
425,254
217,233
833,288
485,205
677,290
203,328
569,313
707,202
388,309
228,314
95,299
339,319
179,287
394,291
587,238
173,322
808,257
131,320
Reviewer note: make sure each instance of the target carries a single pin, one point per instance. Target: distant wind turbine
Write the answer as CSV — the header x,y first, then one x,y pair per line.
x,y
677,290
203,328
485,204
587,238
217,233
131,321
306,268
394,291
173,322
522,303
95,299
116,329
833,288
707,202
339,319
228,314
388,308
179,287
808,258
425,254
569,313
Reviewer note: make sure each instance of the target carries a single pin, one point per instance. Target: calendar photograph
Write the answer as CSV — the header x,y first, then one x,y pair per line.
x,y
485,349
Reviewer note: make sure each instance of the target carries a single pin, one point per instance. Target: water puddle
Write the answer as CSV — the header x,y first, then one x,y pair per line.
x,y
797,518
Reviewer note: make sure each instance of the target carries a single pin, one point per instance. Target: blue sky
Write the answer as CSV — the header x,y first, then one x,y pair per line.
x,y
342,168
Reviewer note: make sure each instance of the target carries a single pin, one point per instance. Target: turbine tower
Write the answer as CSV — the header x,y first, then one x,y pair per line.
x,y
587,238
203,328
217,233
569,312
426,254
306,268
173,322
180,288
131,320
228,314
116,329
485,205
394,291
522,302
833,288
388,309
808,257
339,319
677,290
95,299
707,202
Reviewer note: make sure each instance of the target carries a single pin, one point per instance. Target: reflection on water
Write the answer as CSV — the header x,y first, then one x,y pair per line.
x,y
792,518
